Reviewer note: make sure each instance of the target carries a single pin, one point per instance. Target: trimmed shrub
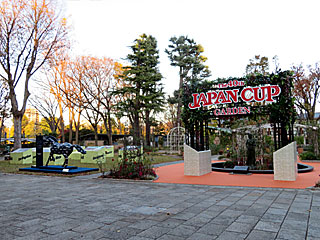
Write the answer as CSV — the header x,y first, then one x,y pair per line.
x,y
308,156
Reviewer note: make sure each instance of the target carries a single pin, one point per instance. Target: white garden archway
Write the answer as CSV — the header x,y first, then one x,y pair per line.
x,y
176,139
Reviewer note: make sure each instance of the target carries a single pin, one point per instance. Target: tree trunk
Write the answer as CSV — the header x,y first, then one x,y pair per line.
x,y
16,114
120,127
284,135
147,128
136,129
17,119
77,126
109,129
1,127
70,132
51,124
71,117
95,135
63,138
178,123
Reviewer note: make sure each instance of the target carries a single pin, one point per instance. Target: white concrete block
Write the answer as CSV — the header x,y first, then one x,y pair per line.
x,y
196,163
285,163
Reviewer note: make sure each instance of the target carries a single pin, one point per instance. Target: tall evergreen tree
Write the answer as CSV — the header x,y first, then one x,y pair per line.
x,y
186,54
142,92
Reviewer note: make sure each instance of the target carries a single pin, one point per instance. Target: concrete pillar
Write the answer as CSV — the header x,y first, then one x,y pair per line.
x,y
196,163
285,163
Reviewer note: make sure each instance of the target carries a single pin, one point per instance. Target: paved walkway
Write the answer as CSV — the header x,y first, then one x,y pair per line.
x,y
41,207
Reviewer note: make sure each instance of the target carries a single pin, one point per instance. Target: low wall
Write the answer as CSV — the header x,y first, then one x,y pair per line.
x,y
285,163
196,163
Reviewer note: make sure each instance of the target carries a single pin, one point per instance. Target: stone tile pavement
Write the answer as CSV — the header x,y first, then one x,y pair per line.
x,y
41,207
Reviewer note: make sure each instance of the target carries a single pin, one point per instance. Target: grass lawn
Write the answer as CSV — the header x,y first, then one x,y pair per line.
x,y
6,167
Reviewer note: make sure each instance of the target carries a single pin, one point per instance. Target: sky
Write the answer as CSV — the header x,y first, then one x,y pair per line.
x,y
231,31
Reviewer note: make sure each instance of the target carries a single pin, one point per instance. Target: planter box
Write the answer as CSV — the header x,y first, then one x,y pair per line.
x,y
93,155
21,156
34,155
109,151
59,159
75,155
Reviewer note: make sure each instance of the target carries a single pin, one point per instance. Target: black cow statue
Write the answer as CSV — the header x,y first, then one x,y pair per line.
x,y
64,149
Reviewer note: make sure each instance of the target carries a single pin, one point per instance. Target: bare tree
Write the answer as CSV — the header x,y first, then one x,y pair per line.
x,y
56,82
47,106
307,90
30,32
4,105
73,92
95,86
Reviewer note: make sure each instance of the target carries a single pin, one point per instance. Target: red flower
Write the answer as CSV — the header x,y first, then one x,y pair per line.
x,y
140,174
112,159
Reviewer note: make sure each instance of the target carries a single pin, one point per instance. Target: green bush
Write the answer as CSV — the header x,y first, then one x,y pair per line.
x,y
299,140
308,148
229,164
214,149
268,140
308,156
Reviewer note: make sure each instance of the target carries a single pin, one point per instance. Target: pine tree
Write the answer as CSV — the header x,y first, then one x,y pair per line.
x,y
143,93
186,54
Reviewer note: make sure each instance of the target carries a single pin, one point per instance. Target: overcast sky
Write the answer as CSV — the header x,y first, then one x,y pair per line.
x,y
231,31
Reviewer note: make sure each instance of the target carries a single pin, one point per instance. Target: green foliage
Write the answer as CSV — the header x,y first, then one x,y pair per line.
x,y
214,148
186,54
133,166
308,156
268,140
225,142
299,140
229,164
267,144
142,92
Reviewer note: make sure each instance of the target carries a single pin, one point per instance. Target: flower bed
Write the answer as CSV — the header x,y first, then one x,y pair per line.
x,y
133,165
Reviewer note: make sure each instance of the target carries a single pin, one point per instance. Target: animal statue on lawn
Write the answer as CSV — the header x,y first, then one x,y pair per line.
x,y
64,149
